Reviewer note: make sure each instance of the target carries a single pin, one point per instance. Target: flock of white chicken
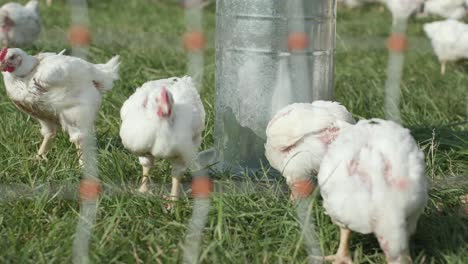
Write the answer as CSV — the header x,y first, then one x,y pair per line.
x,y
370,173
448,37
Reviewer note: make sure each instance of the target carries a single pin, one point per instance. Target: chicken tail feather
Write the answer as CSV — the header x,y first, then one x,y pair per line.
x,y
107,73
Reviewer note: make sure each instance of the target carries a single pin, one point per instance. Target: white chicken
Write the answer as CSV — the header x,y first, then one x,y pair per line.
x,y
57,90
402,9
356,3
449,40
20,25
372,181
453,9
298,137
164,119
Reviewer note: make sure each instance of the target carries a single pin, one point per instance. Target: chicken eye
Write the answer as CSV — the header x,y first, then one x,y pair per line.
x,y
12,57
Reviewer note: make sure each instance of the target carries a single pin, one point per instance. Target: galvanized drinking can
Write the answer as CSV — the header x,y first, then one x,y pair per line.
x,y
252,37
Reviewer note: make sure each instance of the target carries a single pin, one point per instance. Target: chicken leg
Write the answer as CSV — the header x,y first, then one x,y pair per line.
x,y
175,192
175,189
146,163
442,67
42,152
342,255
178,168
144,181
80,153
48,131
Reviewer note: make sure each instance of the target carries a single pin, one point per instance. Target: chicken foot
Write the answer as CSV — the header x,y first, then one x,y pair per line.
x,y
342,255
145,180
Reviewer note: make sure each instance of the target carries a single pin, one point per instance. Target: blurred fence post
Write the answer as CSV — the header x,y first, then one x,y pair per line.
x,y
397,45
79,34
194,39
79,37
201,191
303,191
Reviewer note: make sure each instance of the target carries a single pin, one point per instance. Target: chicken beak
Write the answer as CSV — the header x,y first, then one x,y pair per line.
x,y
167,110
164,110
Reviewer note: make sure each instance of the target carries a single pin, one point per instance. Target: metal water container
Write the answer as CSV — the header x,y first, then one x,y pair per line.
x,y
251,41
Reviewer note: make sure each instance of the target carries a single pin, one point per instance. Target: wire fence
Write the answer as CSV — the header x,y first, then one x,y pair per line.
x,y
88,192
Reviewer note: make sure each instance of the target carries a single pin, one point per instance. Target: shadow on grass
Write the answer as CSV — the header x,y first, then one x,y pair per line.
x,y
446,136
443,227
461,65
441,233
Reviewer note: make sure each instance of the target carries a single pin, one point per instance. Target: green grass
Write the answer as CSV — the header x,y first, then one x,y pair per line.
x,y
258,227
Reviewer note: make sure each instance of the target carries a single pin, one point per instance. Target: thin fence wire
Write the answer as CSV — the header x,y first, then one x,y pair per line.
x,y
16,192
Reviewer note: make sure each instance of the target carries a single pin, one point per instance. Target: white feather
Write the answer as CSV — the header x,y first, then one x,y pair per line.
x,y
59,90
449,39
372,181
27,23
402,9
176,139
294,145
454,9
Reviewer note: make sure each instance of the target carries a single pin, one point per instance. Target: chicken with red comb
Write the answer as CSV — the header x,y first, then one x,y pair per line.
x,y
164,119
57,90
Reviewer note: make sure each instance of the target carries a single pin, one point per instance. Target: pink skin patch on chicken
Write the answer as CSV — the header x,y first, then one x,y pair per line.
x,y
397,183
353,169
383,244
328,135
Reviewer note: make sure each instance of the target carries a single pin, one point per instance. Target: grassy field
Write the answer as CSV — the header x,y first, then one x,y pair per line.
x,y
259,227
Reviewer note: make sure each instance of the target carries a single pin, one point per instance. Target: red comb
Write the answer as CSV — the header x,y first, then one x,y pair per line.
x,y
164,94
3,53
